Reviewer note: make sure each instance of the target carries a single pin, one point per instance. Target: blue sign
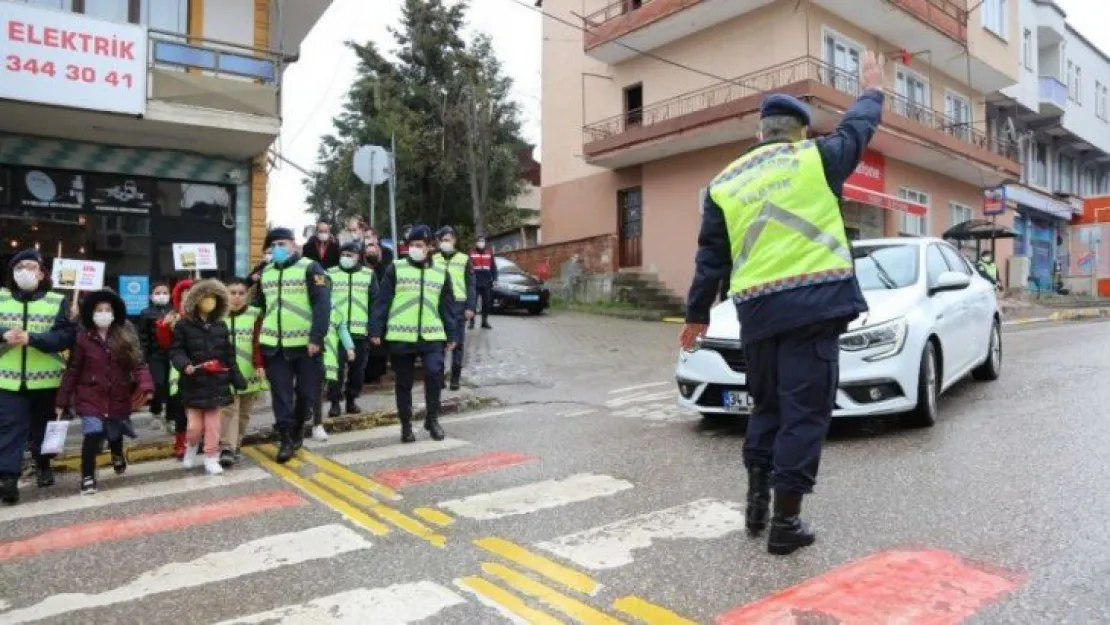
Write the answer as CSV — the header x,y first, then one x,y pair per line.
x,y
135,291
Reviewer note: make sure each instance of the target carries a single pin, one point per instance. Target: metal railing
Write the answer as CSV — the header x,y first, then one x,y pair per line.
x,y
618,8
928,10
778,77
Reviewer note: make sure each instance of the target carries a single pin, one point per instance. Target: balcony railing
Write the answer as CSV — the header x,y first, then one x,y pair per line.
x,y
946,16
775,79
1053,91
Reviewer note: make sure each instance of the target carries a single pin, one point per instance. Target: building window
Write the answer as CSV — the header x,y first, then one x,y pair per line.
x,y
958,213
1040,165
633,106
1075,83
1087,182
913,95
1027,49
110,10
995,16
168,15
958,111
1065,179
1102,97
914,225
843,58
64,5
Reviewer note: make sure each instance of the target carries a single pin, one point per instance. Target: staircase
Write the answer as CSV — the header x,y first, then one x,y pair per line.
x,y
645,290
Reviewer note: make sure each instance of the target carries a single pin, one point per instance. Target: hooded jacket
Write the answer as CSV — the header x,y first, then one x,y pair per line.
x,y
200,339
163,330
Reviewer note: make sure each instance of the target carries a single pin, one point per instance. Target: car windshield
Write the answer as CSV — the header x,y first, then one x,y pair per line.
x,y
883,267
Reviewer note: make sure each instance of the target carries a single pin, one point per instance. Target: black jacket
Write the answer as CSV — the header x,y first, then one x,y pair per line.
x,y
147,318
198,340
330,257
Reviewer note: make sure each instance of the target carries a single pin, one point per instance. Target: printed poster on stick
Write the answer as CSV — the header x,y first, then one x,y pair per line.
x,y
77,275
194,257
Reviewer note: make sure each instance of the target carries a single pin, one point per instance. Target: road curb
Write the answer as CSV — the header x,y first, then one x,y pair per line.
x,y
161,451
1070,314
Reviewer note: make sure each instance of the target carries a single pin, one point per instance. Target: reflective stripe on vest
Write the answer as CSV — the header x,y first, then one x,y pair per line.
x,y
332,347
456,268
288,314
356,308
414,312
241,327
27,365
784,225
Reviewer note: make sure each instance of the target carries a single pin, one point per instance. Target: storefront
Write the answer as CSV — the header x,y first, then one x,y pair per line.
x,y
124,207
866,205
1041,223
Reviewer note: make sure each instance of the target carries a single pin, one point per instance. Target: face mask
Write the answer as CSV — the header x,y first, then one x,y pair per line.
x,y
160,300
323,236
347,262
481,245
26,279
103,319
280,255
207,305
418,254
447,248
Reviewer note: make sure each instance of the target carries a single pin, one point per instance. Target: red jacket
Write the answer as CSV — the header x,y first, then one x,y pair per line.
x,y
98,385
163,331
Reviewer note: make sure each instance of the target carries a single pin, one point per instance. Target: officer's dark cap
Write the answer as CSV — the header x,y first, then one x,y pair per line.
x,y
783,105
27,254
278,234
419,232
352,247
445,231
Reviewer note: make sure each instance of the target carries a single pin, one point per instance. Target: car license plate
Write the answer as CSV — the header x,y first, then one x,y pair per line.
x,y
737,401
529,298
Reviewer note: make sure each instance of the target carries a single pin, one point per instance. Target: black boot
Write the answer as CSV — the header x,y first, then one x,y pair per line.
x,y
44,474
335,409
788,532
759,500
406,430
432,425
9,490
287,450
454,381
353,408
298,436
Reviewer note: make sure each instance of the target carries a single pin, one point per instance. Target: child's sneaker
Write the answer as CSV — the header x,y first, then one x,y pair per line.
x,y
212,465
88,486
319,434
227,458
190,459
119,464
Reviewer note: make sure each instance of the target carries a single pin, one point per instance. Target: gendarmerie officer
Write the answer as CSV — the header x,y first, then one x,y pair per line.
x,y
353,288
772,226
458,266
414,313
295,298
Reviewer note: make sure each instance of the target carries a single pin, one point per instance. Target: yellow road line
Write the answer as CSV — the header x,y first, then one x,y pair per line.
x,y
434,516
548,568
573,608
355,515
347,475
384,512
648,612
508,601
271,451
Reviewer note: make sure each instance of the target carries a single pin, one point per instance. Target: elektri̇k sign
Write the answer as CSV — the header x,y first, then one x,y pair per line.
x,y
66,59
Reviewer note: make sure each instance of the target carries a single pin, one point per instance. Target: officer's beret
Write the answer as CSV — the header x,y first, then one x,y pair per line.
x,y
444,231
278,234
27,254
351,246
419,232
781,104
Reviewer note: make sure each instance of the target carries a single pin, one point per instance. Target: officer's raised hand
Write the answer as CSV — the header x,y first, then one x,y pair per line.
x,y
873,73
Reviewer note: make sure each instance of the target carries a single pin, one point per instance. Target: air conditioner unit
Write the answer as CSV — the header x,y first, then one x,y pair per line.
x,y
109,242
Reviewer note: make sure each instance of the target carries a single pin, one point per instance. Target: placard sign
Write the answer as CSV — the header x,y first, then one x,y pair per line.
x,y
194,257
77,275
135,291
68,59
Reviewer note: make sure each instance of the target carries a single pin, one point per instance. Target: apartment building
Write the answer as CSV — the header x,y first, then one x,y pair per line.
x,y
1059,111
654,132
129,125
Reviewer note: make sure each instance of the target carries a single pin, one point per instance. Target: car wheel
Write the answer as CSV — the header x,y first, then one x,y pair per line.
x,y
991,368
928,387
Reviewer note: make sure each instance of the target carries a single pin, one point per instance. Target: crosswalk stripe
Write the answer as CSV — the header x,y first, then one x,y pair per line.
x,y
75,536
637,387
505,602
554,599
392,452
536,496
399,604
647,612
339,471
612,546
424,474
544,566
256,556
127,494
383,512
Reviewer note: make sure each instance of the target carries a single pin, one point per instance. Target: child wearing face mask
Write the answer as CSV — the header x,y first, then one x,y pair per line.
x,y
105,381
204,354
156,357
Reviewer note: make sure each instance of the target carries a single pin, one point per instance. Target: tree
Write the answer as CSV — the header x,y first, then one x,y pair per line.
x,y
418,97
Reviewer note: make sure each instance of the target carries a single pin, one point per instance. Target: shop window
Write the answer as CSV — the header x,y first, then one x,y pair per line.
x,y
205,202
914,225
958,213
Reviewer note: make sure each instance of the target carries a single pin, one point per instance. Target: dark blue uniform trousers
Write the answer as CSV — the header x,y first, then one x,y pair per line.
x,y
404,370
296,380
792,378
23,415
457,354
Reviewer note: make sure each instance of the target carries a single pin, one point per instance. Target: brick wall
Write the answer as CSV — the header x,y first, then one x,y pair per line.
x,y
598,255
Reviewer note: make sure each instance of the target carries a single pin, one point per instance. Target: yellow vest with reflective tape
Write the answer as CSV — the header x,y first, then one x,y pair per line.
x,y
241,329
414,312
350,294
784,225
333,347
456,268
288,315
19,365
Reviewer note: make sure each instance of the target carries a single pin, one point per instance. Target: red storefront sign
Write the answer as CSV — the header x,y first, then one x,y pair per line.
x,y
867,185
870,174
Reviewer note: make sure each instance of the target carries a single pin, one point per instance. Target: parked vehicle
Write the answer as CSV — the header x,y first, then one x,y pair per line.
x,y
516,289
933,320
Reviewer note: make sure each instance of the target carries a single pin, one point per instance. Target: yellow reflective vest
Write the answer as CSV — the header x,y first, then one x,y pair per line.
x,y
350,294
287,319
241,329
414,311
27,365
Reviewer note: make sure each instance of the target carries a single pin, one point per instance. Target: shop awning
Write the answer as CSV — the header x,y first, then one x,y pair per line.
x,y
852,193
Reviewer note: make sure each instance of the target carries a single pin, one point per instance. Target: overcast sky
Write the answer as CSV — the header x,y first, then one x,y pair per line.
x,y
316,87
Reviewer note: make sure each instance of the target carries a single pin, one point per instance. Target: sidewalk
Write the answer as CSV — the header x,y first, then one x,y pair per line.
x,y
1020,312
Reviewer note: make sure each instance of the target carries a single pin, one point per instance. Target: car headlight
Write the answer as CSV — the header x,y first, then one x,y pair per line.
x,y
883,340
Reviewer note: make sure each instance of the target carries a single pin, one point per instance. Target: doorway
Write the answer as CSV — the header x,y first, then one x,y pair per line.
x,y
633,106
631,214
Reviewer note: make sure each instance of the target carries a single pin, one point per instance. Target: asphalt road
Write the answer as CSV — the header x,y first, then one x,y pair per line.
x,y
589,498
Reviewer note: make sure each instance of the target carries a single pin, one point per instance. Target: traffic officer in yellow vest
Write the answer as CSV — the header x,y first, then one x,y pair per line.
x,y
295,298
414,313
35,327
462,289
353,287
772,226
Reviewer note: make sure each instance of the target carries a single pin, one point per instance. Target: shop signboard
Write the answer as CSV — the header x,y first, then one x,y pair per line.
x,y
120,194
36,189
68,59
77,275
135,291
870,174
994,201
194,257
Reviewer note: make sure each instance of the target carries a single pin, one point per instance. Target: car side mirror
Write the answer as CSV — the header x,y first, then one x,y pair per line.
x,y
950,281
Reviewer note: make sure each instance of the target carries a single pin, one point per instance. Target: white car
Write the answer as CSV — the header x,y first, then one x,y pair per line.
x,y
932,321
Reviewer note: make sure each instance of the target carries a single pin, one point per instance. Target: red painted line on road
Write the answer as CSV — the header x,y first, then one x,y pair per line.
x,y
925,587
452,468
86,534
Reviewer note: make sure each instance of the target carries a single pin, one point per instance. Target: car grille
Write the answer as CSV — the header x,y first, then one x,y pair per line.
x,y
733,355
